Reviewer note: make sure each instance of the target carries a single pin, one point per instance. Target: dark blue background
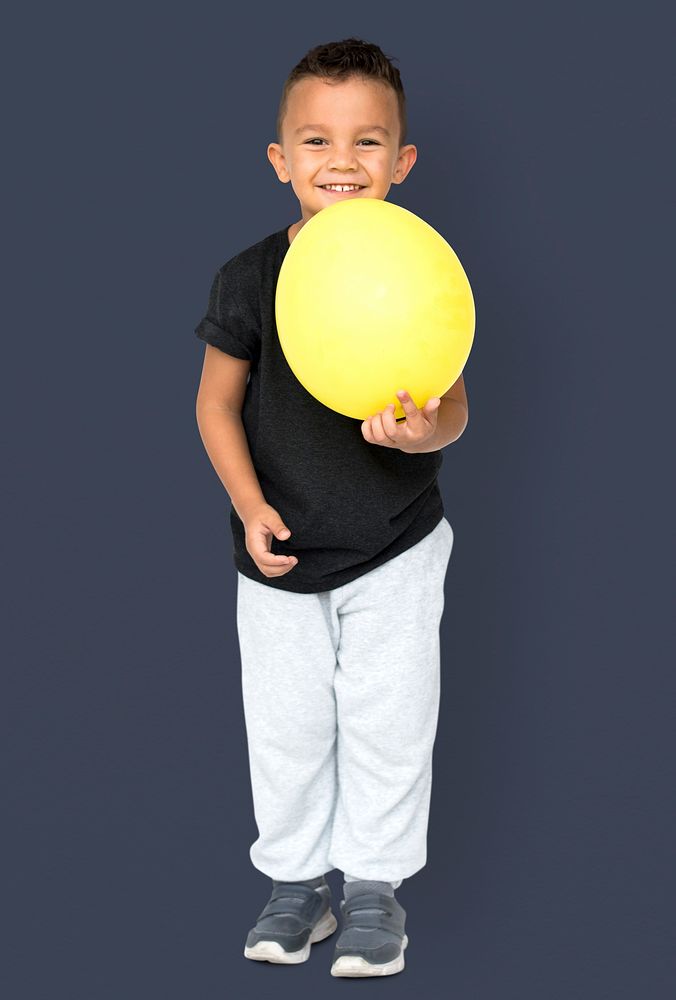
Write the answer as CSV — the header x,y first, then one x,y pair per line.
x,y
134,166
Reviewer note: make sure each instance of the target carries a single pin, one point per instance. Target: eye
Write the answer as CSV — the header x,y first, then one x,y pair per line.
x,y
309,142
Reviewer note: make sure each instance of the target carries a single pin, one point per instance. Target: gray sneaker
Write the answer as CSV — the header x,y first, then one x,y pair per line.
x,y
372,938
295,917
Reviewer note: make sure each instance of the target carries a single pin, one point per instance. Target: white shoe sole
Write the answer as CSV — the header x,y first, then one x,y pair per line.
x,y
272,951
355,965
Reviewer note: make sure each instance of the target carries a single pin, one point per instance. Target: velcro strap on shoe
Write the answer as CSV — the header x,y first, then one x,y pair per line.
x,y
300,900
373,909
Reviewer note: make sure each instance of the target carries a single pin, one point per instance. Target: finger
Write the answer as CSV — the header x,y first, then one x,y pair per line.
x,y
278,571
432,403
431,407
413,415
407,402
272,560
271,564
378,429
276,528
389,422
260,552
366,431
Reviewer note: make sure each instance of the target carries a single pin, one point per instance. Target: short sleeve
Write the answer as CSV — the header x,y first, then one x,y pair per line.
x,y
230,322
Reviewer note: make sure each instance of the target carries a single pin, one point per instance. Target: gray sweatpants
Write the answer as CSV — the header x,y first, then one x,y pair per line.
x,y
341,702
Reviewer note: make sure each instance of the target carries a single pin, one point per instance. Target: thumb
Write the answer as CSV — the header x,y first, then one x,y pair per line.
x,y
282,531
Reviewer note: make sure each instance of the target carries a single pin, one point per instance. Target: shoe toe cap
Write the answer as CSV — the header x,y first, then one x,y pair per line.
x,y
356,945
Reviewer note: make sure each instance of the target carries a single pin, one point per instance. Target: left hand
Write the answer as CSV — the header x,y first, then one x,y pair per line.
x,y
419,425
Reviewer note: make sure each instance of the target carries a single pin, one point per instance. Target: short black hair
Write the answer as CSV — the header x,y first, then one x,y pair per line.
x,y
342,60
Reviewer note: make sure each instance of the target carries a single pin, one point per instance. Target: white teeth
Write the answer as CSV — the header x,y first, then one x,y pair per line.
x,y
341,187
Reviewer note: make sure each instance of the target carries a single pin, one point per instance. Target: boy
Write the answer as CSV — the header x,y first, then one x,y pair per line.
x,y
341,548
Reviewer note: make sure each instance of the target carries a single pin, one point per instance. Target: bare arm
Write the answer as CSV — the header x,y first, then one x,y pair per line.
x,y
219,418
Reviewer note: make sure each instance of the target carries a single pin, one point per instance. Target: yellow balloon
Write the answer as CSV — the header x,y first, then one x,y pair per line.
x,y
371,299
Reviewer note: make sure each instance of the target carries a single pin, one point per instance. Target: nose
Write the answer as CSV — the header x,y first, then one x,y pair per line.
x,y
343,157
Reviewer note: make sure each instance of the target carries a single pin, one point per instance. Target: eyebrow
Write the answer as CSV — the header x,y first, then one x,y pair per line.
x,y
325,128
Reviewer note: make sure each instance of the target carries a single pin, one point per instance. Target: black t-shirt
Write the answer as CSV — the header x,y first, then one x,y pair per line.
x,y
349,505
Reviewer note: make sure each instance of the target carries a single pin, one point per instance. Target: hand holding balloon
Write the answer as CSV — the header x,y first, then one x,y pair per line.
x,y
418,427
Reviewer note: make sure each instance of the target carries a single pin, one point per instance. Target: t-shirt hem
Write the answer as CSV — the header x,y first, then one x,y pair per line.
x,y
340,579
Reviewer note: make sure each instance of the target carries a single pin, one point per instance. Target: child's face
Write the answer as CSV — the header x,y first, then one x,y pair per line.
x,y
341,147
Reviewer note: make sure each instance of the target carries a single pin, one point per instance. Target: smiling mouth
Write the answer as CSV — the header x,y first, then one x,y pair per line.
x,y
351,190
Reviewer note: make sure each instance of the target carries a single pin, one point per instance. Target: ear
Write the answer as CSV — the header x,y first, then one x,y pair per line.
x,y
407,157
278,160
